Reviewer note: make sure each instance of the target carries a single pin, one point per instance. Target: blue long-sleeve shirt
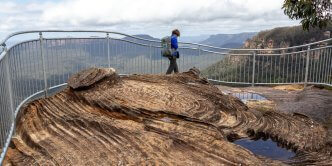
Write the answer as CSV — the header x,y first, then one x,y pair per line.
x,y
174,42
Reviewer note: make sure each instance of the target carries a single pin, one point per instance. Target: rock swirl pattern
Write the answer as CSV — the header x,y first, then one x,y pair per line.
x,y
180,119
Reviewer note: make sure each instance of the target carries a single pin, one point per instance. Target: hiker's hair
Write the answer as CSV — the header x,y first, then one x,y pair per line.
x,y
176,32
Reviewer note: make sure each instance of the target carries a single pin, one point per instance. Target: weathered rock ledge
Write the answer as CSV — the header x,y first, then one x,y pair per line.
x,y
181,119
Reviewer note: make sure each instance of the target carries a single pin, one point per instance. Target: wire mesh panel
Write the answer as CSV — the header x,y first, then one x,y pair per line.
x,y
229,68
6,107
320,66
278,69
65,57
198,58
26,70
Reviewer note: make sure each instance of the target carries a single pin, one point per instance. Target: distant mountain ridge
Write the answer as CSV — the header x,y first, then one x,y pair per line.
x,y
143,36
194,39
217,40
282,37
229,40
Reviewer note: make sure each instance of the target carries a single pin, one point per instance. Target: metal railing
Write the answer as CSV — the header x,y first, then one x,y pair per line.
x,y
38,66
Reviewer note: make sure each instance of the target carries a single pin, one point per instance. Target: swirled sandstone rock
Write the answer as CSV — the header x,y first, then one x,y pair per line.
x,y
178,119
89,76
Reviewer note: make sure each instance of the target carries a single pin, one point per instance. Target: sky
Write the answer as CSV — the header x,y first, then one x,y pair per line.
x,y
154,17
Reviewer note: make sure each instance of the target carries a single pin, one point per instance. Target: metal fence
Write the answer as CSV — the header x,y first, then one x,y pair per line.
x,y
35,67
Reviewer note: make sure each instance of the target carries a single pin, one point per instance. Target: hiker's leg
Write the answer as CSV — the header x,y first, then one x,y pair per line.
x,y
176,69
171,66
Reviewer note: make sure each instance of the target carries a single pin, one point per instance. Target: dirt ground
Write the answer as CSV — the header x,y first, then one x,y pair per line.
x,y
311,101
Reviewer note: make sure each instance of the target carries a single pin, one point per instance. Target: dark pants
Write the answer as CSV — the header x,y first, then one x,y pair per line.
x,y
172,66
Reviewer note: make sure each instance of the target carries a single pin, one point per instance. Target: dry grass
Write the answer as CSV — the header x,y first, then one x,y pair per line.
x,y
295,87
262,105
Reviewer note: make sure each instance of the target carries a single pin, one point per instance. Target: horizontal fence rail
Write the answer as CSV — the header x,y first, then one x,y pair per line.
x,y
37,67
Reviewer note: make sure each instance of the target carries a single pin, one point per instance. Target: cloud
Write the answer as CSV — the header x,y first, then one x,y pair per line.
x,y
154,16
112,12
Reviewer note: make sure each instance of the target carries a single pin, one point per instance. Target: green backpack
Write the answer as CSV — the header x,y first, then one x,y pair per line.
x,y
166,46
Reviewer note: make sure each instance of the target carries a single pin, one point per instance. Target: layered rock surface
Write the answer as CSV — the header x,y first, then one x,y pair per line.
x,y
181,119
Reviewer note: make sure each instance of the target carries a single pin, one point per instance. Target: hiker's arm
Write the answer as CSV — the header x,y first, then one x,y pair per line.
x,y
174,42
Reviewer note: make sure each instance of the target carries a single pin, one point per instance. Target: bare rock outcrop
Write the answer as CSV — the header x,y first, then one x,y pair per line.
x,y
178,119
89,76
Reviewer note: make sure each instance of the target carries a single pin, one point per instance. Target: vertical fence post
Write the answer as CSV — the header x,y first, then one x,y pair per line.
x,y
199,50
43,62
150,54
307,67
108,50
253,69
199,54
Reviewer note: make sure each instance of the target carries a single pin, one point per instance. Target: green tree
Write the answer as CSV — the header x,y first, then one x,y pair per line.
x,y
312,13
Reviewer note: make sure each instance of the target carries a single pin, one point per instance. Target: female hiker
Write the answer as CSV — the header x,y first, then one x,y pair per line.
x,y
174,53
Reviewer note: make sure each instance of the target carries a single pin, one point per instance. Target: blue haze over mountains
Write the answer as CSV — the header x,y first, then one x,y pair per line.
x,y
228,40
217,40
